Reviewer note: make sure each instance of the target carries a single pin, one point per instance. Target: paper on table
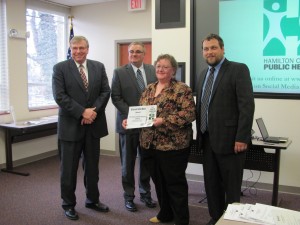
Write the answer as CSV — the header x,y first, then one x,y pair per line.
x,y
283,217
32,122
238,212
262,214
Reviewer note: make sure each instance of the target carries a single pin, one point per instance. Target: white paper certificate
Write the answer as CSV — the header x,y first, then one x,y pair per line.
x,y
141,116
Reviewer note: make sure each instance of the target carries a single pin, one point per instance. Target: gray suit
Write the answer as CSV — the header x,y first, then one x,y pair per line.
x,y
126,93
230,117
75,139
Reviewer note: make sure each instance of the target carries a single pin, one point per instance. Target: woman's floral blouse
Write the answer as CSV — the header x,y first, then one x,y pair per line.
x,y
176,105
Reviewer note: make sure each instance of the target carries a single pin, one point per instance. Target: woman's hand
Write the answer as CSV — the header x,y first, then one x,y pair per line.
x,y
158,122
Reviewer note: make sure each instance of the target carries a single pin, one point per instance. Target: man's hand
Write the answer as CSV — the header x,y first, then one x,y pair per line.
x,y
85,121
240,147
124,123
89,115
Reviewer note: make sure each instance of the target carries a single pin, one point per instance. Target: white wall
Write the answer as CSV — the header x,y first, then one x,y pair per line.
x,y
104,24
282,119
16,18
174,41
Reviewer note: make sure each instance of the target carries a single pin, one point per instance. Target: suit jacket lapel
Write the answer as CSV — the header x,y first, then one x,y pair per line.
x,y
148,72
219,77
91,74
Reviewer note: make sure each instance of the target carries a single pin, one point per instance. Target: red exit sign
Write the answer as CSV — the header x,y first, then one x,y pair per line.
x,y
135,5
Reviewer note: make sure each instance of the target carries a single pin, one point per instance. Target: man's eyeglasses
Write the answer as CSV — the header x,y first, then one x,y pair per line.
x,y
136,52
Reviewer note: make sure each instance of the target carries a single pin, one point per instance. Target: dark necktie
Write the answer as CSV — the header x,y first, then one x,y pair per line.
x,y
140,80
83,77
205,99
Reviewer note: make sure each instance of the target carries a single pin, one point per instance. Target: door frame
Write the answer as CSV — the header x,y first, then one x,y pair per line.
x,y
117,64
126,41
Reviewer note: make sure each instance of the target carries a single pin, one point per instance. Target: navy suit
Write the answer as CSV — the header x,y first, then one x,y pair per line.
x,y
126,93
75,139
230,118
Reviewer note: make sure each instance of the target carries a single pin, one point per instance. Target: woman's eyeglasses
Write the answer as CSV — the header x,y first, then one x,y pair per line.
x,y
162,67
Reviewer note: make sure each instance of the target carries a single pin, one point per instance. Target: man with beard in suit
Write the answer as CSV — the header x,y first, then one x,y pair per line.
x,y
225,109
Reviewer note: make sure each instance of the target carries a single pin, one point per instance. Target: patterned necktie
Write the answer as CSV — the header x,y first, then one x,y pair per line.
x,y
140,80
205,99
83,77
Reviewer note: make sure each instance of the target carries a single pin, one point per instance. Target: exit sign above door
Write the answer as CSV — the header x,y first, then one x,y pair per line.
x,y
136,5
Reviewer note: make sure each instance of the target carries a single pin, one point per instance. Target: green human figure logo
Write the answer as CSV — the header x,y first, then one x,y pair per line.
x,y
281,28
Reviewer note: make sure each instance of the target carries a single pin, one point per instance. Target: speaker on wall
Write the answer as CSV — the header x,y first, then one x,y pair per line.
x,y
169,14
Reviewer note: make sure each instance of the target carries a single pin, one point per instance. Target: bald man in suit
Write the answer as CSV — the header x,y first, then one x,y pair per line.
x,y
81,90
224,127
125,93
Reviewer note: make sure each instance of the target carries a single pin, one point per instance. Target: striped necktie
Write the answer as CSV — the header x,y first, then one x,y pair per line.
x,y
205,99
140,80
83,77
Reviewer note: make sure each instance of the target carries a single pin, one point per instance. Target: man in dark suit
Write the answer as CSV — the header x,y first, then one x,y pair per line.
x,y
81,90
126,92
224,125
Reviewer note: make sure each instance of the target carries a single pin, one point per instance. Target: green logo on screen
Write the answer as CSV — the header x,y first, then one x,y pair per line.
x,y
281,28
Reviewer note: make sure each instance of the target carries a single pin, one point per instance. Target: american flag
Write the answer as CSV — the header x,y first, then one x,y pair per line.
x,y
71,36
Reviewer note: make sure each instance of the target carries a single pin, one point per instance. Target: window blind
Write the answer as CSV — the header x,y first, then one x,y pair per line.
x,y
4,88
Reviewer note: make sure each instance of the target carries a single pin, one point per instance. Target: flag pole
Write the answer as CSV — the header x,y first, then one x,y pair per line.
x,y
69,56
71,18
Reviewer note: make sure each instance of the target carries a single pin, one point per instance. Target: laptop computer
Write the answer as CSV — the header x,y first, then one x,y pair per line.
x,y
265,135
